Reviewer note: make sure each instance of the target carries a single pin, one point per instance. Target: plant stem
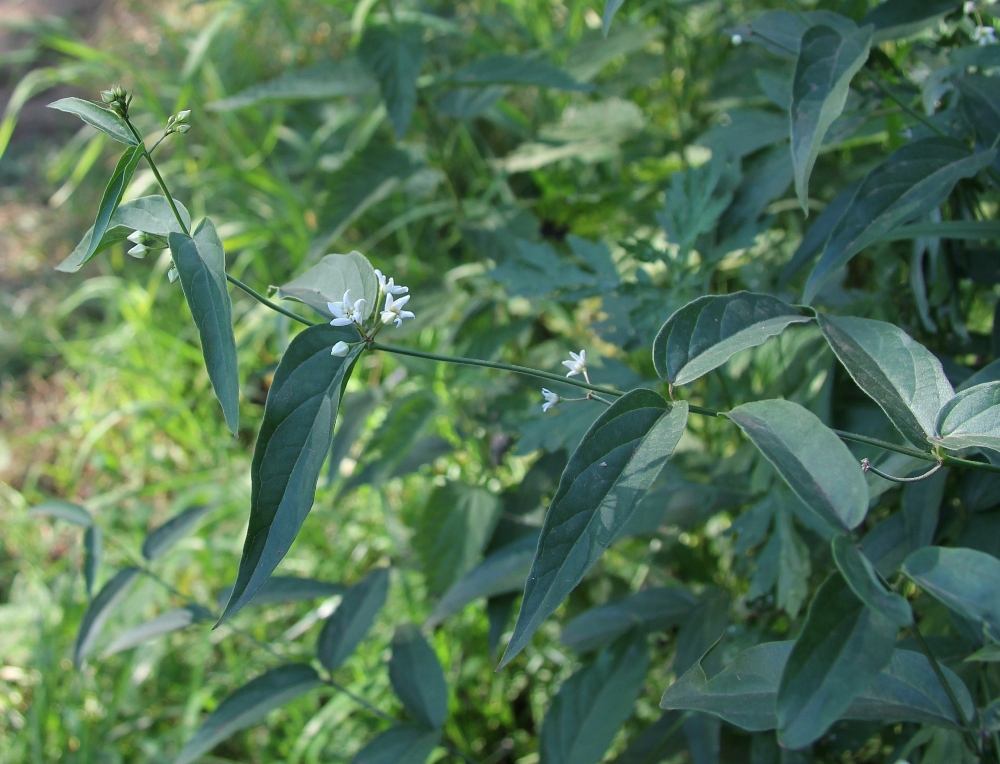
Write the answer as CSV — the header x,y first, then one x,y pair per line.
x,y
156,174
949,691
264,301
906,107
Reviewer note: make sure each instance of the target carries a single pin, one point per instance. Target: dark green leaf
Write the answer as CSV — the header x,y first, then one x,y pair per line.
x,y
63,510
610,471
948,229
417,678
915,179
294,438
701,629
101,608
990,653
971,419
93,549
887,544
781,31
794,566
394,56
354,412
610,9
454,528
695,199
354,616
922,506
402,744
499,609
657,743
707,332
813,461
827,62
965,580
894,19
201,264
860,575
841,649
904,378
330,278
167,623
655,609
502,69
103,119
745,132
279,590
248,705
161,539
981,107
815,238
593,703
328,80
704,738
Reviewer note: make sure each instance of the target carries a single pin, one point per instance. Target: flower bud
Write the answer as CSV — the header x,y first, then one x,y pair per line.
x,y
182,116
137,237
340,349
182,128
172,275
139,250
107,96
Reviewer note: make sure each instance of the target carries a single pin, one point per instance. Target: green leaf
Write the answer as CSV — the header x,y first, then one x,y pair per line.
x,y
655,609
922,506
965,580
325,81
248,705
610,9
815,238
707,332
159,540
814,462
839,652
93,549
103,119
100,610
702,629
502,572
827,62
657,743
63,510
860,575
330,278
971,419
794,565
294,438
394,56
915,179
980,105
417,678
499,609
989,653
593,703
355,410
201,264
610,471
279,590
167,623
401,744
503,69
694,201
895,19
977,230
781,32
903,377
454,528
745,132
350,622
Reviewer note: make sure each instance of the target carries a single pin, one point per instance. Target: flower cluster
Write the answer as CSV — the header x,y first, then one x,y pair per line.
x,y
178,123
348,312
117,100
982,34
577,364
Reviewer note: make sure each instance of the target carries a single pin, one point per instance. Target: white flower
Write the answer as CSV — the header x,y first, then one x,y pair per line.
x,y
137,237
344,313
736,39
551,399
969,7
139,250
394,310
577,363
388,287
985,35
341,349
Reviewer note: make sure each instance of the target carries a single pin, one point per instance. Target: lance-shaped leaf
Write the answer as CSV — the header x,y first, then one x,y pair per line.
x,y
248,705
162,538
707,332
63,510
100,610
610,9
354,616
842,647
610,471
417,678
103,119
815,238
167,623
299,417
654,609
394,56
971,419
402,744
915,179
593,703
93,550
904,378
503,69
280,590
827,62
813,461
864,581
201,264
657,743
966,580
330,278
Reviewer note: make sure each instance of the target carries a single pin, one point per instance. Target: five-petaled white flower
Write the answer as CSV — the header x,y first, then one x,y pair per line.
x,y
985,35
394,310
551,399
388,287
577,363
340,349
344,313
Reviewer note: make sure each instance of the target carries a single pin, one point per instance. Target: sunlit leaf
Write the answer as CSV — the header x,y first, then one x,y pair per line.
x,y
394,55
401,744
103,119
971,419
965,580
330,278
417,678
351,621
63,510
101,608
860,575
159,540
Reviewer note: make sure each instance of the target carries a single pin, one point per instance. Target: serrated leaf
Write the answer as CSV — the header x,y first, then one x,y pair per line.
x,y
101,609
167,623
814,462
417,678
280,590
63,510
350,622
915,179
842,647
694,201
401,744
503,69
159,540
971,419
93,550
965,580
103,119
901,375
294,438
860,575
826,64
610,471
248,705
394,56
593,703
328,80
201,264
707,332
330,278
655,609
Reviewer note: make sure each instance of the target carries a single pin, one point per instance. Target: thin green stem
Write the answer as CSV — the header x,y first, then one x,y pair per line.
x,y
970,734
156,174
866,466
905,106
264,301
